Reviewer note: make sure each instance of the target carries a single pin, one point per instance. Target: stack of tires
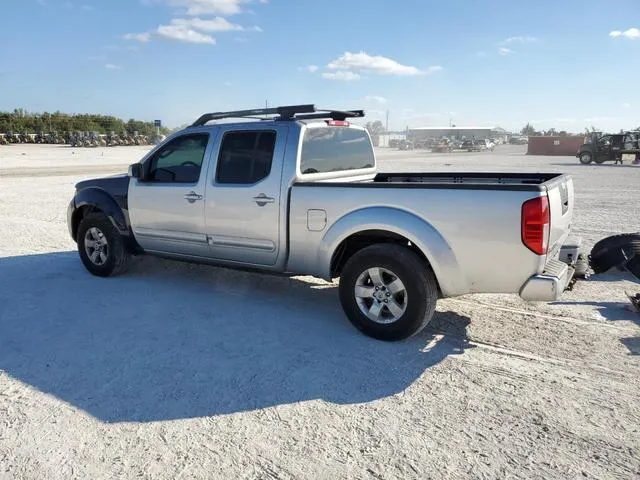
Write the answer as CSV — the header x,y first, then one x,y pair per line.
x,y
619,251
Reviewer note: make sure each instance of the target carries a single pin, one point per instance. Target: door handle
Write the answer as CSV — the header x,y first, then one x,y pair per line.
x,y
262,200
191,197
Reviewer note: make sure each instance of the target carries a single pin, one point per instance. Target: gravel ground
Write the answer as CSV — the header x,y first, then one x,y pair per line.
x,y
183,371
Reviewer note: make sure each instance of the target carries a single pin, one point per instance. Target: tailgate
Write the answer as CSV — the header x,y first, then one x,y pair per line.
x,y
560,192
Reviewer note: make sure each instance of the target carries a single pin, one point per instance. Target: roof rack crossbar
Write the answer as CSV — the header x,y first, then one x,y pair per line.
x,y
285,113
332,114
291,112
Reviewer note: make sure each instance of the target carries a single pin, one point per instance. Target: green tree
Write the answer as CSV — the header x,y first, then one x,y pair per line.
x,y
528,130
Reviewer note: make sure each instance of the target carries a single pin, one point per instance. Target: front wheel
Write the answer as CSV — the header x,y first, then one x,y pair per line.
x,y
388,292
585,158
100,246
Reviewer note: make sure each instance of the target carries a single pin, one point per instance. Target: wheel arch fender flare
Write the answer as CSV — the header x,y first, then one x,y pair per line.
x,y
99,199
418,231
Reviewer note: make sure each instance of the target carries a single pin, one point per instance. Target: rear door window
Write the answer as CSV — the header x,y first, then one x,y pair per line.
x,y
334,149
246,157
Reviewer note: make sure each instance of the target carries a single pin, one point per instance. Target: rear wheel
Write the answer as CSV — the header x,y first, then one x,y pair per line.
x,y
387,292
101,247
585,158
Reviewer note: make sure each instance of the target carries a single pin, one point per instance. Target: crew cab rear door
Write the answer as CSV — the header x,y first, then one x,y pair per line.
x,y
243,208
166,206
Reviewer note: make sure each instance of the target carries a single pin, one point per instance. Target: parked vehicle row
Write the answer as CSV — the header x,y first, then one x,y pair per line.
x,y
80,139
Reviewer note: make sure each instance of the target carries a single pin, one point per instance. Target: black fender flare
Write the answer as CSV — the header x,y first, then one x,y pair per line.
x,y
98,199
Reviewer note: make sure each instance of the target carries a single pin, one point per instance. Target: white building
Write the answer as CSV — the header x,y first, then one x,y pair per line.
x,y
422,133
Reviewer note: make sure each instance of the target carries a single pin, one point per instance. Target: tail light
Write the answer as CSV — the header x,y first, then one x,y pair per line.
x,y
337,123
536,222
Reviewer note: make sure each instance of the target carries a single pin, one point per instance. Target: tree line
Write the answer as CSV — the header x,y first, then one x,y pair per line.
x,y
21,121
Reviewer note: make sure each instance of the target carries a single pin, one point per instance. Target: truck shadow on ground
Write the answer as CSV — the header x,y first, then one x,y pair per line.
x,y
595,165
632,344
170,341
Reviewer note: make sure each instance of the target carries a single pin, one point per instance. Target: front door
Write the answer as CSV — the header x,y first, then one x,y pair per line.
x,y
603,150
243,204
166,206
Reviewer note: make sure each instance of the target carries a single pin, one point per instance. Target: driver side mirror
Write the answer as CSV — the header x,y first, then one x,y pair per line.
x,y
136,171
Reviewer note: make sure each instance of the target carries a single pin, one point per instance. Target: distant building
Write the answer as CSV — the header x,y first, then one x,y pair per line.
x,y
459,133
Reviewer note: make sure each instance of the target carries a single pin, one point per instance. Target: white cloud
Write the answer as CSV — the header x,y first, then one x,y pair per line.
x,y
504,51
434,69
375,99
209,7
138,37
217,24
309,68
376,64
632,33
626,105
519,39
341,75
111,66
96,58
182,33
227,84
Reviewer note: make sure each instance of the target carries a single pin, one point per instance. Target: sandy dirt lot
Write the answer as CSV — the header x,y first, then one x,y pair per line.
x,y
182,371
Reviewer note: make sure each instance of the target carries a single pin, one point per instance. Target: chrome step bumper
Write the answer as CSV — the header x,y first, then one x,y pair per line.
x,y
550,284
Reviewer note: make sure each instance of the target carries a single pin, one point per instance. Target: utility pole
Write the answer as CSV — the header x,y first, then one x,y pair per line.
x,y
266,105
387,123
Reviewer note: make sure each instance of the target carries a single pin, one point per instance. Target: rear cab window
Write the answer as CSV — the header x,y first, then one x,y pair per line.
x,y
328,149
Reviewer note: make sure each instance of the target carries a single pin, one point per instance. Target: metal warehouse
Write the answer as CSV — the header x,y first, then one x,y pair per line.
x,y
421,133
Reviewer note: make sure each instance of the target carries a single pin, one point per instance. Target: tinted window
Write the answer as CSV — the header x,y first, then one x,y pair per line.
x,y
245,157
331,149
180,160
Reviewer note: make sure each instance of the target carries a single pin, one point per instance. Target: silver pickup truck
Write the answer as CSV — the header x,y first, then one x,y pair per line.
x,y
298,192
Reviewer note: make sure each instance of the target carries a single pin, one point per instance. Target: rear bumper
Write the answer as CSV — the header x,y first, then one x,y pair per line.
x,y
550,284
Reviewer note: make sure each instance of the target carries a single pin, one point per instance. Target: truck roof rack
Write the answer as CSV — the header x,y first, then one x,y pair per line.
x,y
291,112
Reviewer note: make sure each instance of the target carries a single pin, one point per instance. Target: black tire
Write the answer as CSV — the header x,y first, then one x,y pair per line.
x,y
585,158
418,280
117,257
614,251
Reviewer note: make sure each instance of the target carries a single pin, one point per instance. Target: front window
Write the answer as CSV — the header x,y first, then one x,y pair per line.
x,y
180,161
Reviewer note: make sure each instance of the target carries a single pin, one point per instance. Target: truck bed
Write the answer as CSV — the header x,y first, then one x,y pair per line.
x,y
481,180
477,215
531,182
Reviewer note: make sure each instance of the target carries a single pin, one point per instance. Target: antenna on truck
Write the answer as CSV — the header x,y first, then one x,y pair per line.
x,y
291,112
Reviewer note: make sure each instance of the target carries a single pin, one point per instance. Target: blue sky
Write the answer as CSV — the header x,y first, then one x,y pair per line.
x,y
562,64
